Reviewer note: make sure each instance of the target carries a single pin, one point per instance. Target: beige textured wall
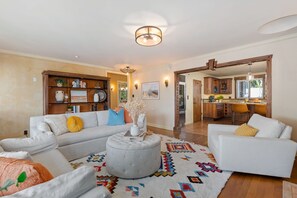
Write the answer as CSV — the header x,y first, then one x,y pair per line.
x,y
114,94
20,97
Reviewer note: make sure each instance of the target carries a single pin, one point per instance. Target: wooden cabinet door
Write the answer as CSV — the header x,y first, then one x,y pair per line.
x,y
207,110
196,100
215,86
207,85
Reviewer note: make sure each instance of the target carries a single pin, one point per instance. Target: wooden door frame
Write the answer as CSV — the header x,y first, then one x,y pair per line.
x,y
200,97
212,64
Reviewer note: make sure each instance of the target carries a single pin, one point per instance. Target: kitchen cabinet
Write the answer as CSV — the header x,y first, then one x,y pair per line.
x,y
226,86
211,85
213,110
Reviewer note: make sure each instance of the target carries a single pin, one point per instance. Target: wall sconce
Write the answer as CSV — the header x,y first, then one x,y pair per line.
x,y
136,86
111,88
166,83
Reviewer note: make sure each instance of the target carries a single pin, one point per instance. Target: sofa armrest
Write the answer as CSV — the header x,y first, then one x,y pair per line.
x,y
72,184
212,128
268,156
33,145
35,132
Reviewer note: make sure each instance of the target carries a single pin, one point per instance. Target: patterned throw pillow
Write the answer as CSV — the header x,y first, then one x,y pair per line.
x,y
57,123
246,130
75,124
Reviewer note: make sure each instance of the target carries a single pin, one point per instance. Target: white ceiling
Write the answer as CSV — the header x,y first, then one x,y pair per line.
x,y
102,32
259,67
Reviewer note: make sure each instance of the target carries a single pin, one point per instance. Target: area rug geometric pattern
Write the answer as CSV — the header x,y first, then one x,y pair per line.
x,y
187,170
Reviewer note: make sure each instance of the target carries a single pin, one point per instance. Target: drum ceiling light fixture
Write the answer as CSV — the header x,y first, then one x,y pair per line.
x,y
148,36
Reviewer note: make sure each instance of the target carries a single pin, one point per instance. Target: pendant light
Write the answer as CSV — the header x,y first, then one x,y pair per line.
x,y
250,76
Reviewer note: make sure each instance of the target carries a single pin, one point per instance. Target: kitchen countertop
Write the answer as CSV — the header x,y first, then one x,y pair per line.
x,y
234,102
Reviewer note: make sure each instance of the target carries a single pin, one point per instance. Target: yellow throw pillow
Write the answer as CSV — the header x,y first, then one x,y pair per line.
x,y
74,124
246,130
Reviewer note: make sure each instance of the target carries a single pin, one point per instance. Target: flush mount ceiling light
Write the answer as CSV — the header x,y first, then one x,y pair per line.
x,y
148,36
127,70
279,25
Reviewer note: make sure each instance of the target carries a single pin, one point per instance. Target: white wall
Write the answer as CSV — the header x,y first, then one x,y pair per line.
x,y
284,79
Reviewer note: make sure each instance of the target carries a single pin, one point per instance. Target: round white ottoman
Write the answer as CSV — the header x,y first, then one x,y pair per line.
x,y
133,159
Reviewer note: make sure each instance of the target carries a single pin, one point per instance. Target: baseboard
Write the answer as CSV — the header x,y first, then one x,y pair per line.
x,y
160,126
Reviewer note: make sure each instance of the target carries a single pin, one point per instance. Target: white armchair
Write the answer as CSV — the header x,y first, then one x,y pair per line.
x,y
258,155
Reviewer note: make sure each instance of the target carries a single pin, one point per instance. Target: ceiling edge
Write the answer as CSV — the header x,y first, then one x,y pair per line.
x,y
53,59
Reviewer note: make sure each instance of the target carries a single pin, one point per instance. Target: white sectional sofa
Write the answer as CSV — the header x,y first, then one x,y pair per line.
x,y
272,155
92,139
66,182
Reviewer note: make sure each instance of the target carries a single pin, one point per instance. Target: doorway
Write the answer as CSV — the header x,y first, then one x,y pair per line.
x,y
208,83
196,100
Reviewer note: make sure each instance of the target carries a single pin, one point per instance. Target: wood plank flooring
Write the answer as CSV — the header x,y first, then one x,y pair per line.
x,y
240,184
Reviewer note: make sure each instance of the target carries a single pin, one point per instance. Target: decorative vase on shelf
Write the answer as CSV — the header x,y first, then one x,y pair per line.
x,y
59,96
134,130
96,97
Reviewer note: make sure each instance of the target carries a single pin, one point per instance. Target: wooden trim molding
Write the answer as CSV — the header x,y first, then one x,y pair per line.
x,y
213,64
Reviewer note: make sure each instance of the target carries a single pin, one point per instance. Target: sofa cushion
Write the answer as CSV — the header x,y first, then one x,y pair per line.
x,y
102,117
43,126
57,123
286,134
1,149
11,168
58,166
89,118
91,133
268,127
246,130
36,144
16,155
115,118
74,124
72,184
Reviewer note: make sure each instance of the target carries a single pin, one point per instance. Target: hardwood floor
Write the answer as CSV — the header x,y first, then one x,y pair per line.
x,y
240,184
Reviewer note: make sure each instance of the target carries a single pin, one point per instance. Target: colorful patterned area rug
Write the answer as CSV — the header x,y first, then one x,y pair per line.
x,y
187,170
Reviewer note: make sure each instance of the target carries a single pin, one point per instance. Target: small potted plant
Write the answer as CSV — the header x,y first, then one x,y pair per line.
x,y
60,82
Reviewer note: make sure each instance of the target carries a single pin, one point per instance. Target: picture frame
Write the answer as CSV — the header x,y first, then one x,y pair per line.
x,y
150,90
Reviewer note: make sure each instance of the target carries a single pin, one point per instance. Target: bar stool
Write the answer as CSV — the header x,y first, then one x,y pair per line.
x,y
260,109
240,109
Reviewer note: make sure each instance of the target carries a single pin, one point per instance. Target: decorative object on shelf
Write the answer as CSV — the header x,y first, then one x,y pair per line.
x,y
94,107
135,107
59,96
250,76
150,90
96,97
66,97
82,84
78,96
148,36
60,82
76,83
211,98
127,70
102,95
97,85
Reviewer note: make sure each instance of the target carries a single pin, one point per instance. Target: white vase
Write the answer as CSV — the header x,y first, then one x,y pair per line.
x,y
96,97
134,130
59,96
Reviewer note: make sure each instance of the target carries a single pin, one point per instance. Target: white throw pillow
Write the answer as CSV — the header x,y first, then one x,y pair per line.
x,y
269,128
286,134
72,184
43,126
58,123
102,117
17,155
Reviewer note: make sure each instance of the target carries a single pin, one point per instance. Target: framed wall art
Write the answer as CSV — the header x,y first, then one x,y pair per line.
x,y
150,91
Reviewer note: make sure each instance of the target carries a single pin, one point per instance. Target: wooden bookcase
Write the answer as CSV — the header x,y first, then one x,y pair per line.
x,y
93,84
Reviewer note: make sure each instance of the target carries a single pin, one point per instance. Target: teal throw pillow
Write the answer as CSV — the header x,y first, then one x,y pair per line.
x,y
115,118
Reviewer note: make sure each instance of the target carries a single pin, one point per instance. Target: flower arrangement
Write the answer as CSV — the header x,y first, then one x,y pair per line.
x,y
135,107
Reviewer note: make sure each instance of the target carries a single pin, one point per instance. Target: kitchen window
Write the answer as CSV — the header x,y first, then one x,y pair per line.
x,y
250,89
